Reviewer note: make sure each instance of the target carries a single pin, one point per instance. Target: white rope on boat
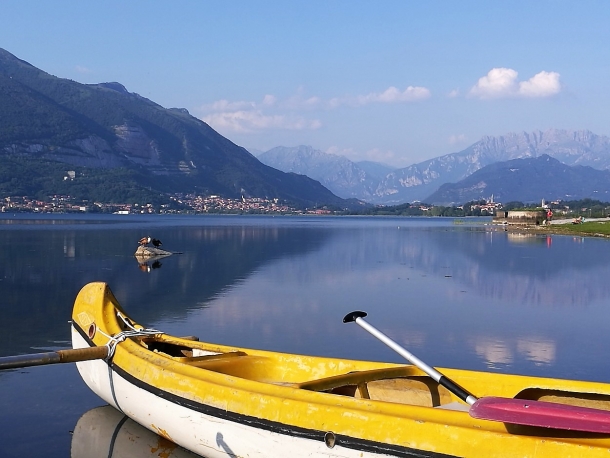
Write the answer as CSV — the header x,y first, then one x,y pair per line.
x,y
113,341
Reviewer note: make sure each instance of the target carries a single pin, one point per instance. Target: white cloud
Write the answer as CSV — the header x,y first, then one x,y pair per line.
x,y
543,84
269,100
244,121
225,105
298,102
394,95
499,82
379,155
375,154
81,69
453,94
503,83
271,113
390,95
335,102
457,139
338,151
250,117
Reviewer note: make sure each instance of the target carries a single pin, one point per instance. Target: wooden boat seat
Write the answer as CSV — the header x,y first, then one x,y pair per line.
x,y
591,400
403,385
206,360
354,378
235,363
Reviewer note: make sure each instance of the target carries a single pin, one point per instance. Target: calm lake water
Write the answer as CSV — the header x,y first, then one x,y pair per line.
x,y
455,293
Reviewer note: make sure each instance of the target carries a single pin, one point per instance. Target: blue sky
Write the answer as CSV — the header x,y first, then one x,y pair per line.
x,y
391,81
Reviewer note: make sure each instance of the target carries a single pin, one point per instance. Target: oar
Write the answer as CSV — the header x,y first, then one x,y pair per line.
x,y
53,357
436,375
507,410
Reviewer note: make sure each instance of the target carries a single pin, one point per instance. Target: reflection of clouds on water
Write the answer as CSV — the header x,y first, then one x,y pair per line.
x,y
458,298
575,288
515,237
69,246
495,352
538,351
550,271
413,339
500,352
490,265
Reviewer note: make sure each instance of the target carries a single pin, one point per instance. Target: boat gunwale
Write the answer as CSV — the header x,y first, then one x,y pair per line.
x,y
273,425
300,394
376,411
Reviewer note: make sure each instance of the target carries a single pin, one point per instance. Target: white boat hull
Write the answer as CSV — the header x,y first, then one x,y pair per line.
x,y
207,435
222,401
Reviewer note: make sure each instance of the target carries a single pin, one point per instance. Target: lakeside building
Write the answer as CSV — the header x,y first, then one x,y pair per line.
x,y
535,217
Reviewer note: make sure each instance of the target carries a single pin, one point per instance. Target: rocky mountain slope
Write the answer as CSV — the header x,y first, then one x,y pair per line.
x,y
343,177
418,181
104,127
527,180
415,183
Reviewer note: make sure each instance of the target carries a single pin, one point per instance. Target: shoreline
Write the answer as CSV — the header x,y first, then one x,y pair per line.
x,y
564,226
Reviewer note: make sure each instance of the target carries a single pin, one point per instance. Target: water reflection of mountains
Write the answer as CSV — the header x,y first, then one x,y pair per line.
x,y
547,270
43,271
554,271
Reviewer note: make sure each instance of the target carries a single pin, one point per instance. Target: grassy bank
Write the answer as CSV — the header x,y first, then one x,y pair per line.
x,y
589,228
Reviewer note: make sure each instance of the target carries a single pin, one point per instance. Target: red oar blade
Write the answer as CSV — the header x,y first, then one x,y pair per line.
x,y
541,414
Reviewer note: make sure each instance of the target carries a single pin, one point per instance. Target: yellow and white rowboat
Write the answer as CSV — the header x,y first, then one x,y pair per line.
x,y
220,401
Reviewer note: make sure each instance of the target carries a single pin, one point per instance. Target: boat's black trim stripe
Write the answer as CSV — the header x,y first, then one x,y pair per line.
x,y
111,380
272,426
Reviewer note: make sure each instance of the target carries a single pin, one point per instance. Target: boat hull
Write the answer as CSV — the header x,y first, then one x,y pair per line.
x,y
214,434
220,401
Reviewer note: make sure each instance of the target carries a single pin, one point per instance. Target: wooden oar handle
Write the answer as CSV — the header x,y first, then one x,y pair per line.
x,y
82,354
53,357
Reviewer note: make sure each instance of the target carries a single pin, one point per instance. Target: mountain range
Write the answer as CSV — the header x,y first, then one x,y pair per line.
x,y
102,142
419,182
343,177
527,180
122,146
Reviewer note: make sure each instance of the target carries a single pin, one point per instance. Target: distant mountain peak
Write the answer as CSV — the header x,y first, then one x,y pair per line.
x,y
120,135
416,182
6,57
343,177
527,180
115,87
179,110
389,186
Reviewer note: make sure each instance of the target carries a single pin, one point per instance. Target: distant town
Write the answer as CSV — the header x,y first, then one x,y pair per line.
x,y
180,203
194,204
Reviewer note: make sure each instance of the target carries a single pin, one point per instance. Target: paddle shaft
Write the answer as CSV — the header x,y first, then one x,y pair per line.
x,y
456,389
516,411
53,357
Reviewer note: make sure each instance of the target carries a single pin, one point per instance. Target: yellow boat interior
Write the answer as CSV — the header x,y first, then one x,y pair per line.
x,y
398,384
377,381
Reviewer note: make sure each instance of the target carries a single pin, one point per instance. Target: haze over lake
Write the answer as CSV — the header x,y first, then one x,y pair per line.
x,y
456,293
